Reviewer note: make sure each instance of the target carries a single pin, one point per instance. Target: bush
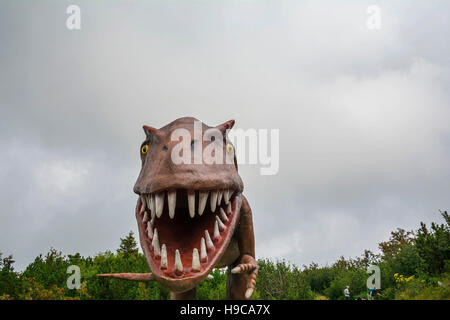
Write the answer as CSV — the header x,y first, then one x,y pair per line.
x,y
282,281
420,289
213,289
355,279
414,265
433,246
319,279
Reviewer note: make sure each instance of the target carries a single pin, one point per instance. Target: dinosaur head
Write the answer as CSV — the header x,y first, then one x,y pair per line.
x,y
189,200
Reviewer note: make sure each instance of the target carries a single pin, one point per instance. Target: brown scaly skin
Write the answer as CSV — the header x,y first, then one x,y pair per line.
x,y
159,178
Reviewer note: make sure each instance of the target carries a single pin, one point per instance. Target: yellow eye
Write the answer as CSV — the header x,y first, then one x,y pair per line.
x,y
229,148
144,149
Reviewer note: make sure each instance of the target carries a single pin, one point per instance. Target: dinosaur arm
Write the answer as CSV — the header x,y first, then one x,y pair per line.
x,y
246,269
129,276
246,237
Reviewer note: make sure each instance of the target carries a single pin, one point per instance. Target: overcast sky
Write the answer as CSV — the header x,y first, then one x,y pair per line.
x,y
363,116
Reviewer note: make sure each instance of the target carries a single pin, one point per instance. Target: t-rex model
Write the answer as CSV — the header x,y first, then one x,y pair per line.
x,y
193,217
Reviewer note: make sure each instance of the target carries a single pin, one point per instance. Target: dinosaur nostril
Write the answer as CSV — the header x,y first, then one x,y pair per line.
x,y
165,148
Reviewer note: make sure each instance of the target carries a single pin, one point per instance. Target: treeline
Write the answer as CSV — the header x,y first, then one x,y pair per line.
x,y
413,264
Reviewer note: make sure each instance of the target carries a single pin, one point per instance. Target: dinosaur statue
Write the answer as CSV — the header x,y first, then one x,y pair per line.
x,y
193,217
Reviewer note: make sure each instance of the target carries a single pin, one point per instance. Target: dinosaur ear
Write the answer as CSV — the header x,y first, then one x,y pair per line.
x,y
151,132
225,126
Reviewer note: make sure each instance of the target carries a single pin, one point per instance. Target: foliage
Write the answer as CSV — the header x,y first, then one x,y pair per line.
x,y
49,270
433,246
214,289
128,246
9,282
355,279
281,280
419,289
413,264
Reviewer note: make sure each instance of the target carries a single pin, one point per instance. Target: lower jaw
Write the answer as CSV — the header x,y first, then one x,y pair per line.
x,y
188,279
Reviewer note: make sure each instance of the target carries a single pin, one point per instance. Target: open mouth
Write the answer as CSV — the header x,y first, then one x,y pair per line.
x,y
184,232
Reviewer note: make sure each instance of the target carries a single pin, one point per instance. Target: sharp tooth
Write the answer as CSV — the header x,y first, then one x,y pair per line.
x,y
159,203
143,203
213,200
150,230
191,202
155,243
151,204
203,255
219,197
226,196
163,257
202,197
172,200
152,221
178,264
223,215
229,208
216,235
220,223
209,243
145,218
195,260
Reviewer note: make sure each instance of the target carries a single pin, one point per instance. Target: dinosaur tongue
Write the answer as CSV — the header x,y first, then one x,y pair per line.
x,y
182,241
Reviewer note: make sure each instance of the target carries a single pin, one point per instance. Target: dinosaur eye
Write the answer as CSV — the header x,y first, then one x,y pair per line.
x,y
229,148
144,149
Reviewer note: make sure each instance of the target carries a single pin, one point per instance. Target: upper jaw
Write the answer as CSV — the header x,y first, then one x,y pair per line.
x,y
156,202
203,216
148,182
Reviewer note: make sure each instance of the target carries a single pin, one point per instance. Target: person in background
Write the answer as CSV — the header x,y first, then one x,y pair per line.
x,y
347,293
372,292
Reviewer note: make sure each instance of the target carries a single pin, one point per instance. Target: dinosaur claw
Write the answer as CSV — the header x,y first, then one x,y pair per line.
x,y
248,293
244,267
236,270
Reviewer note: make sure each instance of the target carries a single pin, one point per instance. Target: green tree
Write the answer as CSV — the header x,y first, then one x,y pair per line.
x,y
213,289
49,270
6,263
397,240
434,246
128,246
281,280
398,255
318,278
355,278
9,282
